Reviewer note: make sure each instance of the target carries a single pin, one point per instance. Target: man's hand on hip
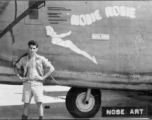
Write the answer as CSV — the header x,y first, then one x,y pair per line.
x,y
39,78
24,79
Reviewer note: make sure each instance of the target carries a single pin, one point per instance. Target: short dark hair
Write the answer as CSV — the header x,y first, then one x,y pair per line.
x,y
33,42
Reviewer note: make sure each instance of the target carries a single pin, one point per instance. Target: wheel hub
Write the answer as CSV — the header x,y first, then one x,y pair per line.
x,y
87,105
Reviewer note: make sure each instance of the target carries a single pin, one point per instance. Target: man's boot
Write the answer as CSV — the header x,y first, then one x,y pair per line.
x,y
24,117
41,118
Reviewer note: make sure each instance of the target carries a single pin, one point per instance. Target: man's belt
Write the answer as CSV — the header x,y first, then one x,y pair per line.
x,y
31,80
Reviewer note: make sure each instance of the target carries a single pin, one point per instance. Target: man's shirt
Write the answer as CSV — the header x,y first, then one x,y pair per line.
x,y
38,64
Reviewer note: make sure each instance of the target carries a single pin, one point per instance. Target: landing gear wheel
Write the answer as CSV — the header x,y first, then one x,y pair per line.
x,y
77,107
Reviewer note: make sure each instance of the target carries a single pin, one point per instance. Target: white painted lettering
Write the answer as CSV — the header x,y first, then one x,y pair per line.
x,y
122,111
97,15
74,20
116,11
128,12
132,12
109,12
89,20
113,112
118,112
93,17
83,20
108,112
123,11
136,111
141,110
131,111
120,11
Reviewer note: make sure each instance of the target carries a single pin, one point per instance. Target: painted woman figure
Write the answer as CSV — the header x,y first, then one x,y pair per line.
x,y
57,40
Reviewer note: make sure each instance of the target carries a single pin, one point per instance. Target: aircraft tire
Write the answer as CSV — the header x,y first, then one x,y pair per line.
x,y
75,105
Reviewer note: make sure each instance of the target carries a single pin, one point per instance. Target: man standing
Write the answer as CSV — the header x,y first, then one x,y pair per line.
x,y
33,77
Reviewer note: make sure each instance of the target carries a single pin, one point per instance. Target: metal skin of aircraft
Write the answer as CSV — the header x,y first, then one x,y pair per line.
x,y
93,45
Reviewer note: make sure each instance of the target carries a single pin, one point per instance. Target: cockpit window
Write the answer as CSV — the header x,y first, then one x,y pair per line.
x,y
33,12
